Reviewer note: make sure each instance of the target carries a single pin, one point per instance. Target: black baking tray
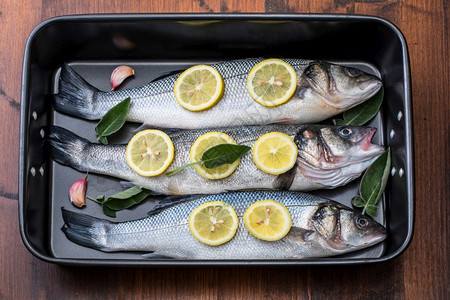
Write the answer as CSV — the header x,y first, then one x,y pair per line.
x,y
154,44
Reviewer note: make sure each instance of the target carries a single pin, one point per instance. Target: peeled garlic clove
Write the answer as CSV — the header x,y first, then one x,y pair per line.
x,y
77,193
119,75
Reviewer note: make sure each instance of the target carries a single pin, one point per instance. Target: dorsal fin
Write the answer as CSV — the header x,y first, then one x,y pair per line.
x,y
170,201
165,75
167,130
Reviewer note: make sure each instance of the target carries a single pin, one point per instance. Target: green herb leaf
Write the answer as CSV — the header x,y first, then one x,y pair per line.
x,y
338,122
223,154
361,114
112,121
216,156
375,178
357,201
109,212
371,210
100,199
373,183
122,202
132,191
103,140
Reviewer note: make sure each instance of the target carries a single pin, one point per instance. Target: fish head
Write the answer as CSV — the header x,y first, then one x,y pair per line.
x,y
334,155
342,229
339,86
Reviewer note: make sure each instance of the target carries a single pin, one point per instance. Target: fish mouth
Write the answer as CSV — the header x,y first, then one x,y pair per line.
x,y
367,146
343,169
379,234
370,86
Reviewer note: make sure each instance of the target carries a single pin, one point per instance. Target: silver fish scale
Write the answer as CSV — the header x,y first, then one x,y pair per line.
x,y
167,233
246,176
110,160
155,103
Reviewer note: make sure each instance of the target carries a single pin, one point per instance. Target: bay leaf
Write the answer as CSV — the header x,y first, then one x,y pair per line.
x,y
113,120
132,191
373,184
104,140
375,178
119,203
223,154
357,201
109,212
216,156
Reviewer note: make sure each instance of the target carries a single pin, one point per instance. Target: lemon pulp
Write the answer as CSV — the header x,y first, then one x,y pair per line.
x,y
213,223
199,88
150,152
275,153
268,220
272,82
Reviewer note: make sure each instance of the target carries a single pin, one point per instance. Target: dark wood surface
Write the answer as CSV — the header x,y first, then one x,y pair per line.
x,y
420,273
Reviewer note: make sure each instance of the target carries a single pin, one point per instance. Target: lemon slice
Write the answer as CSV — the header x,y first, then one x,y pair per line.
x,y
205,142
199,87
275,153
272,82
268,220
213,223
150,152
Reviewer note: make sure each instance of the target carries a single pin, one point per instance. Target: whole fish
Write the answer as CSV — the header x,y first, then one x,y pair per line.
x,y
320,228
328,156
323,90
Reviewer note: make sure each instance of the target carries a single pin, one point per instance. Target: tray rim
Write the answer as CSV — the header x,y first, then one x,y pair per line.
x,y
114,17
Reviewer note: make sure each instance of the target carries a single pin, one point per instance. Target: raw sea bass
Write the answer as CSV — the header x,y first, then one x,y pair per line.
x,y
328,156
320,228
323,90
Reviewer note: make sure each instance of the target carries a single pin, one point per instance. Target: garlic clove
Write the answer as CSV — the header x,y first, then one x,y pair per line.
x,y
119,75
77,193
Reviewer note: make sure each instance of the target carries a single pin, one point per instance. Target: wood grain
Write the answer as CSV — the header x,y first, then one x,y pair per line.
x,y
420,273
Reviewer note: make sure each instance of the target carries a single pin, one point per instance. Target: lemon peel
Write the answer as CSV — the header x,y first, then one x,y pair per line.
x,y
213,223
150,152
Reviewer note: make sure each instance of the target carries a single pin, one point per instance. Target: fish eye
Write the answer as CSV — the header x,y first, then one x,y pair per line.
x,y
361,222
345,131
352,72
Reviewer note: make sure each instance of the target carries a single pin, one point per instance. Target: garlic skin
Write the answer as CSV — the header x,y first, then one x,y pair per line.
x,y
77,193
119,75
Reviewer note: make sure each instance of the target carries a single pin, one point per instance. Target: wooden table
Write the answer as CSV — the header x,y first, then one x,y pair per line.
x,y
420,273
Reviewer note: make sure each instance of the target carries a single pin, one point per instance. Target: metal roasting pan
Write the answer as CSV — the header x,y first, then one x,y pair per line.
x,y
154,44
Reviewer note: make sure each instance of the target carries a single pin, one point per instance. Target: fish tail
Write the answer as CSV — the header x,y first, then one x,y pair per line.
x,y
67,148
85,230
75,96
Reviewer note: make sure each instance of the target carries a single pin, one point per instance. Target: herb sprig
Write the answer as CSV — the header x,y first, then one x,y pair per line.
x,y
372,184
112,121
216,156
121,200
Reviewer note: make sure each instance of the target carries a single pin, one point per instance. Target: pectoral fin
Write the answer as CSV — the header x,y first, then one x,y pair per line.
x,y
301,90
284,181
304,235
